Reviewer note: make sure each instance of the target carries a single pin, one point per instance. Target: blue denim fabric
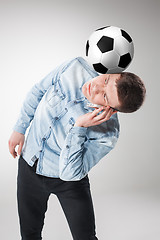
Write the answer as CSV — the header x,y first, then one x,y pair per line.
x,y
53,105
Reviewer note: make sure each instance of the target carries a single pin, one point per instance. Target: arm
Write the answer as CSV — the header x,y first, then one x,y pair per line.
x,y
28,109
80,154
33,98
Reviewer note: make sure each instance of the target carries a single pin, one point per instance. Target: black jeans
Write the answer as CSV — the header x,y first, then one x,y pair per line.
x,y
33,192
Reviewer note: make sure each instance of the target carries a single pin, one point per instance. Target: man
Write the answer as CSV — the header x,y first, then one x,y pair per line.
x,y
66,139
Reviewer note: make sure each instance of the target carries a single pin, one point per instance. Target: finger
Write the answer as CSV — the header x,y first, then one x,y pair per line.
x,y
107,117
96,111
12,149
20,148
101,115
104,117
109,114
13,153
114,111
105,111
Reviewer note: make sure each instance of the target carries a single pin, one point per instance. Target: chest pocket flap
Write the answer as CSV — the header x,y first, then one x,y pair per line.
x,y
55,94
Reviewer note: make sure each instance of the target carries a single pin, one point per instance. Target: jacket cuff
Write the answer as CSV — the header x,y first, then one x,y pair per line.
x,y
19,129
78,130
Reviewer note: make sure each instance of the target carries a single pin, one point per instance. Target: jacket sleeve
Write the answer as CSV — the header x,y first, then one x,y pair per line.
x,y
33,98
81,153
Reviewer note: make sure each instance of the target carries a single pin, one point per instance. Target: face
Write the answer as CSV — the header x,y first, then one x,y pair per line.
x,y
102,90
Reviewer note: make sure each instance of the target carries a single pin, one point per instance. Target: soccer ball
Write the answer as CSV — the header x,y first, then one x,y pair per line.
x,y
109,50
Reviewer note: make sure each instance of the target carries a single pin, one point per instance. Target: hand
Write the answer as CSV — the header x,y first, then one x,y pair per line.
x,y
92,118
16,139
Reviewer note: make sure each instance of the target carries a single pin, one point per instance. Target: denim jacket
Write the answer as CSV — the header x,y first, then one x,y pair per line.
x,y
52,107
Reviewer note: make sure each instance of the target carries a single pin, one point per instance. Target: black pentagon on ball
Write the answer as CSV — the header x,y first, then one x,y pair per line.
x,y
100,68
126,36
124,60
105,44
87,47
102,28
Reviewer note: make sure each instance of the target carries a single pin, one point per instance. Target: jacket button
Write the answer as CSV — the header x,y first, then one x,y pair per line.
x,y
67,146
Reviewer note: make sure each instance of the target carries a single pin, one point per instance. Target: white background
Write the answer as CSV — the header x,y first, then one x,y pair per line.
x,y
35,37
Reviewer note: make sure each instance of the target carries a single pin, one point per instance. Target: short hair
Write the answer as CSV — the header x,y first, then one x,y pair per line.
x,y
131,92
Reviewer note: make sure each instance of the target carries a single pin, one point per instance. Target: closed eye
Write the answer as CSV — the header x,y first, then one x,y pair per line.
x,y
106,82
105,98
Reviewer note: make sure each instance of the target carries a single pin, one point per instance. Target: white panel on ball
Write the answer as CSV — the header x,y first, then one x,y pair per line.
x,y
94,54
121,45
110,59
112,31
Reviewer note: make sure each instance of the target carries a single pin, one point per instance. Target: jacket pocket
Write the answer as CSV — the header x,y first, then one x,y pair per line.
x,y
55,95
53,98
